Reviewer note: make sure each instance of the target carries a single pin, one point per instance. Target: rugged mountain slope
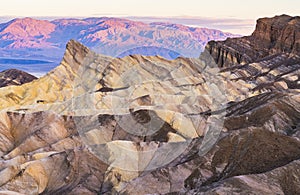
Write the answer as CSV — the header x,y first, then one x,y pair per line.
x,y
110,36
15,77
147,125
26,33
277,35
251,160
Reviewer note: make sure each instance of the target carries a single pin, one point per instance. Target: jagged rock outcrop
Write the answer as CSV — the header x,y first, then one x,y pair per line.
x,y
15,77
147,125
280,34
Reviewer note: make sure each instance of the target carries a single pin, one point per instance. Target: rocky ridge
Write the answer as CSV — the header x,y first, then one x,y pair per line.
x,y
272,36
15,77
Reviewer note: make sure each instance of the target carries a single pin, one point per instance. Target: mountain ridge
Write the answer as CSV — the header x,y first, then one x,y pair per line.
x,y
110,36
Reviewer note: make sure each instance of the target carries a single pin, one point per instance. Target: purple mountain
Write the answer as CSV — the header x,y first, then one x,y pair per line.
x,y
42,39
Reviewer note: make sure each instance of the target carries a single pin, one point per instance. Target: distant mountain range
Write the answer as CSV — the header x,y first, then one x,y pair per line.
x,y
29,38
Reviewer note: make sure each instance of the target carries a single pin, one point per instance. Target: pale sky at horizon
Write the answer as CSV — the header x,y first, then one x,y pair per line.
x,y
218,9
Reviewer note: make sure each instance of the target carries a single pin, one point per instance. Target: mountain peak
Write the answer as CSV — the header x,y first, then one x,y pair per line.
x,y
27,33
15,77
30,25
74,56
27,19
74,46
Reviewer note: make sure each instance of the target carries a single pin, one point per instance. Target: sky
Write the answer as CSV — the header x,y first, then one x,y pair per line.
x,y
241,15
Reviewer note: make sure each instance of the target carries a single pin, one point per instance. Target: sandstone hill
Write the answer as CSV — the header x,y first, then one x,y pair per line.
x,y
147,125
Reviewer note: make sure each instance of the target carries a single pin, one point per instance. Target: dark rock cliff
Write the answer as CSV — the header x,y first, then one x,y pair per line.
x,y
280,34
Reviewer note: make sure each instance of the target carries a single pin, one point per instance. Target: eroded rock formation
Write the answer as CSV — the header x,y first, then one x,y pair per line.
x,y
147,125
276,35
